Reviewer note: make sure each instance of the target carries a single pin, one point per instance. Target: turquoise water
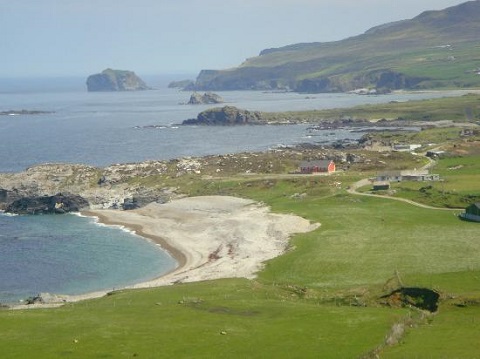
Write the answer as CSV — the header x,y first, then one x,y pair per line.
x,y
68,254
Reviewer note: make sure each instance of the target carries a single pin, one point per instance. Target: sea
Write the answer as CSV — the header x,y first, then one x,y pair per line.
x,y
70,254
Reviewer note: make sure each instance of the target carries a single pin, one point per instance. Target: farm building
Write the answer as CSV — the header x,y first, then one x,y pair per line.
x,y
399,176
381,186
472,212
321,166
405,147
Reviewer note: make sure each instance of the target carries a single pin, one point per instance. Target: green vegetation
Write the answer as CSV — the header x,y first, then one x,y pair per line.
x,y
437,49
322,298
330,295
459,185
458,109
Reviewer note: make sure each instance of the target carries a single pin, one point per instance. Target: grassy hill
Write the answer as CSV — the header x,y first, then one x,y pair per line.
x,y
437,49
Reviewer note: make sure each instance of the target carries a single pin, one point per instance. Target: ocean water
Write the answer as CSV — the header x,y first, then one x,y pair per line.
x,y
73,255
67,254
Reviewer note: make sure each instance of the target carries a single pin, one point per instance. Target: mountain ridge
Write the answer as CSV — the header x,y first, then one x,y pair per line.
x,y
432,50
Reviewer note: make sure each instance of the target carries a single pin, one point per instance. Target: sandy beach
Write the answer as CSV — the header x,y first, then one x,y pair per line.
x,y
211,237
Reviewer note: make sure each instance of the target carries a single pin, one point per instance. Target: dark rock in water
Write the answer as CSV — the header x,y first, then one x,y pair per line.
x,y
226,116
23,112
7,197
206,98
116,80
3,195
58,203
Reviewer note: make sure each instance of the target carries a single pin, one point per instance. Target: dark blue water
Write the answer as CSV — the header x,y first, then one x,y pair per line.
x,y
104,128
71,255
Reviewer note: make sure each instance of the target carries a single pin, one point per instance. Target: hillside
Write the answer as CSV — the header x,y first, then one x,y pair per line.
x,y
436,49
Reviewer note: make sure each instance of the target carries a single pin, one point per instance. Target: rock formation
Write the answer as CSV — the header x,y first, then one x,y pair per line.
x,y
107,187
226,116
115,80
58,203
206,98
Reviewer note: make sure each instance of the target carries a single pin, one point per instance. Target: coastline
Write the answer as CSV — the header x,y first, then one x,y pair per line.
x,y
178,255
210,237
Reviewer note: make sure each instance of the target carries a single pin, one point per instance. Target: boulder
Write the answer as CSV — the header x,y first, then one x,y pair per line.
x,y
58,203
226,116
115,80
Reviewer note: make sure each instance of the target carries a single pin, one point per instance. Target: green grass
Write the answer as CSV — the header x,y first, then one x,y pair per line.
x,y
382,236
459,109
228,318
458,188
452,334
300,305
320,299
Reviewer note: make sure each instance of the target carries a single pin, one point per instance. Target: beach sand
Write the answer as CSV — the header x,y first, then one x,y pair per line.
x,y
211,237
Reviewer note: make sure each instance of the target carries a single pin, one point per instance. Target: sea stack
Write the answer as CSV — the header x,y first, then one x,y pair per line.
x,y
115,80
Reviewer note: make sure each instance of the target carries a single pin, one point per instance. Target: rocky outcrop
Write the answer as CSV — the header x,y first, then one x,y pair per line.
x,y
58,203
108,187
205,99
23,112
45,298
133,185
226,116
115,80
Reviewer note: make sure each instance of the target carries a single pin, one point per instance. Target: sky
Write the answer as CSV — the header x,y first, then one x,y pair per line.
x,y
82,37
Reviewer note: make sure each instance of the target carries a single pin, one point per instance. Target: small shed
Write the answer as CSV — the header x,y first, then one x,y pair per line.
x,y
320,166
381,186
435,154
405,147
472,213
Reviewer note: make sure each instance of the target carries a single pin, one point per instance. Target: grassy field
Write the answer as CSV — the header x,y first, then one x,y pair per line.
x,y
319,300
459,109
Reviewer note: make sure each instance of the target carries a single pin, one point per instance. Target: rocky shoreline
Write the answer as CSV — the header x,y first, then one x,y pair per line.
x,y
43,188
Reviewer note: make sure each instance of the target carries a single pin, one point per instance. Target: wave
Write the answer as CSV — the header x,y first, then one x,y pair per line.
x,y
7,214
96,221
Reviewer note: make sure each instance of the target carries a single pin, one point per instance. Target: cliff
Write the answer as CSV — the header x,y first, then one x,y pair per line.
x,y
115,80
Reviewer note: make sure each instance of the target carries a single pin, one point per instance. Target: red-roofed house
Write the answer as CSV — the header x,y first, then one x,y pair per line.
x,y
321,166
